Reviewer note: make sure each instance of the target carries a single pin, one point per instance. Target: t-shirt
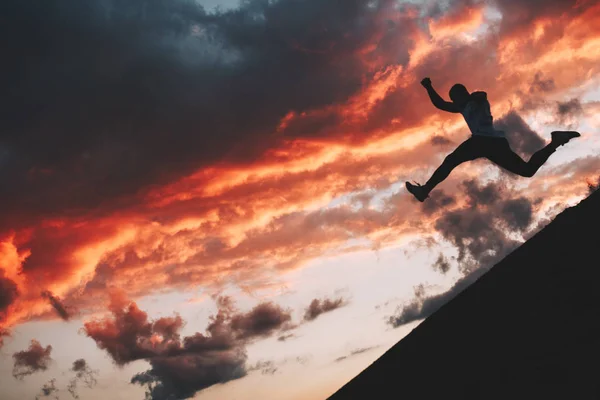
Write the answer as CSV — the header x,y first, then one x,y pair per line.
x,y
479,118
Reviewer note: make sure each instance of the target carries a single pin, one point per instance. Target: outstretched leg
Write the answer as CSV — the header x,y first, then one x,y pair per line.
x,y
504,157
467,151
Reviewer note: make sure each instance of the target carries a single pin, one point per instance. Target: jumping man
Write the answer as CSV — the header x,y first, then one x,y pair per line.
x,y
485,141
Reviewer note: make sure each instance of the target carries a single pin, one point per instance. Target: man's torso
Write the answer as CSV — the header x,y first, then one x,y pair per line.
x,y
479,118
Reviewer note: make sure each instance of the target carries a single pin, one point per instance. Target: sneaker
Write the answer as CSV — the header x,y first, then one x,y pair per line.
x,y
562,137
418,191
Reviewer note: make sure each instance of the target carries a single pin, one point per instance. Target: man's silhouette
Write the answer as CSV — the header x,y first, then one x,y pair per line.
x,y
485,141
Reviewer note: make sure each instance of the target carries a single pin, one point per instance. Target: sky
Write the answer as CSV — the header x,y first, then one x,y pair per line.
x,y
205,200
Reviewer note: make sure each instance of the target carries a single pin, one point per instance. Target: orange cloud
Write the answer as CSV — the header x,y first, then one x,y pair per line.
x,y
238,220
460,20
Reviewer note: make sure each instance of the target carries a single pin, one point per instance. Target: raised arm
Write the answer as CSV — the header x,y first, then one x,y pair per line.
x,y
437,100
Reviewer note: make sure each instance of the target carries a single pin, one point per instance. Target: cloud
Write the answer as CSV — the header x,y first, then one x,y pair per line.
x,y
441,264
438,140
592,113
3,333
182,375
262,320
270,367
593,185
517,214
355,352
568,113
49,389
458,17
151,177
523,140
438,200
187,140
57,305
150,81
364,199
34,359
8,293
285,337
481,231
265,367
521,16
84,374
180,366
320,306
80,366
129,335
476,230
540,84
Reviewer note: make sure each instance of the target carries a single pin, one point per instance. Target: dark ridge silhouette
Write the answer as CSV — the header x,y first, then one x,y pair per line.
x,y
527,329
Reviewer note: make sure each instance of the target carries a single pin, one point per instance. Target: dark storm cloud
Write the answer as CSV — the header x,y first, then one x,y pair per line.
x,y
180,367
57,305
477,230
181,376
262,320
568,112
569,107
565,114
540,84
34,359
8,293
320,306
423,306
523,140
518,15
202,361
436,201
481,195
102,98
480,232
129,335
517,214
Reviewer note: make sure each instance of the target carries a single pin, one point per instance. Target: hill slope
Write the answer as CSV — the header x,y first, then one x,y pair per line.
x,y
527,329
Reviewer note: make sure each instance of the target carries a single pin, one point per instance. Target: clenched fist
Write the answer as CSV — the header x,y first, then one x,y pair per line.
x,y
426,82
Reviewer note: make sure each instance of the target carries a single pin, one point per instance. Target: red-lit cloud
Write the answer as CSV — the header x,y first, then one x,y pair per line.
x,y
168,172
182,366
27,362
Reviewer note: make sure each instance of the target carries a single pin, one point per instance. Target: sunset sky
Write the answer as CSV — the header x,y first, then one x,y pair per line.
x,y
205,199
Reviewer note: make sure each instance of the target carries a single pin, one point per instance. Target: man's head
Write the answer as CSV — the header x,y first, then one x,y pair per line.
x,y
459,94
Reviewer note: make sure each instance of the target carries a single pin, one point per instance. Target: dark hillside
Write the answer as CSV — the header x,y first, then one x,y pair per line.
x,y
527,329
